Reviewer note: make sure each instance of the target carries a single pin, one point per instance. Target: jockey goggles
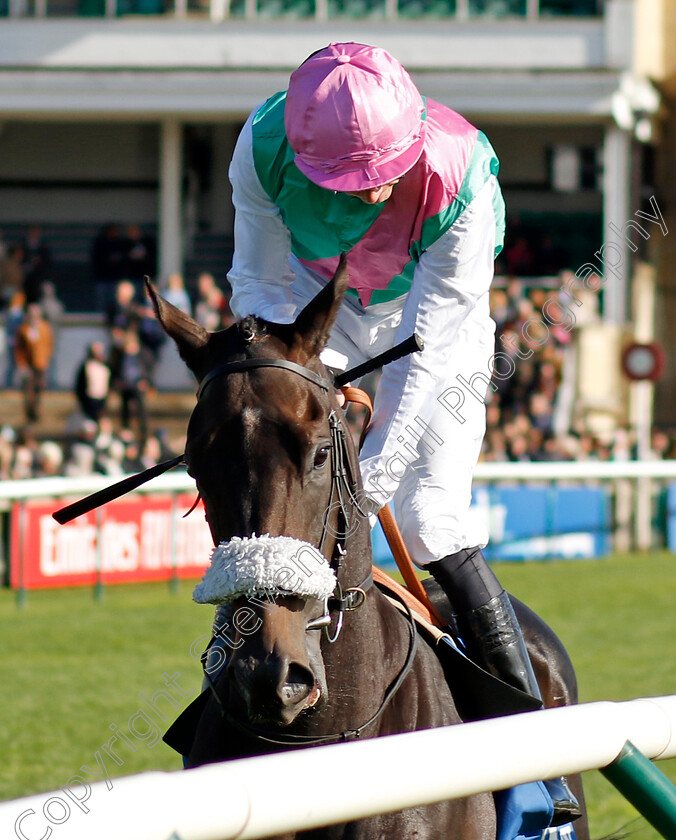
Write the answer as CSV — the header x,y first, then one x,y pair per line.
x,y
354,118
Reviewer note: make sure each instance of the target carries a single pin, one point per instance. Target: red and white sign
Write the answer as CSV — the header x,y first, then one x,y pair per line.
x,y
135,545
643,361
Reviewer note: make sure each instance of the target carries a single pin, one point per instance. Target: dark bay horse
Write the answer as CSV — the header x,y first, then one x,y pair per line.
x,y
275,467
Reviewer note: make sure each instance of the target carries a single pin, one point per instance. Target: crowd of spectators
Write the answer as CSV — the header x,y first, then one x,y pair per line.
x,y
96,448
526,420
101,435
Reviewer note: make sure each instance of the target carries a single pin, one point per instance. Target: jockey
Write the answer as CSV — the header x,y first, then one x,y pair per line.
x,y
353,159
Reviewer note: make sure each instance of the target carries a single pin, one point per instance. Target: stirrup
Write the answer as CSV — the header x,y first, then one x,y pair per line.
x,y
566,806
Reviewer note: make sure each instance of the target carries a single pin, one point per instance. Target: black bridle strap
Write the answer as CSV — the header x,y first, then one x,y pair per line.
x,y
248,364
102,497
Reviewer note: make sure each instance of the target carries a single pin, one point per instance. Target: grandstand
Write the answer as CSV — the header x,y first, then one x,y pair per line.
x,y
126,112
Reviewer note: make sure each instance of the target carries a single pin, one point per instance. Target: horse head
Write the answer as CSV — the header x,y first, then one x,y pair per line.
x,y
278,476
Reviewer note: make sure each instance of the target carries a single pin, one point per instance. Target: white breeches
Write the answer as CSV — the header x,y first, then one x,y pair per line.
x,y
437,462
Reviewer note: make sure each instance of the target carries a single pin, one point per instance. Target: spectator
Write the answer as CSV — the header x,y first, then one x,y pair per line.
x,y
37,262
13,319
130,380
109,448
25,456
49,459
53,310
7,439
550,258
3,248
519,257
139,256
11,275
166,449
152,338
540,411
108,264
123,311
82,457
176,294
92,382
131,462
33,353
151,453
212,310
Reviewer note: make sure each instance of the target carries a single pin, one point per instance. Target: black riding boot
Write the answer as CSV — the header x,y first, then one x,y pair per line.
x,y
493,639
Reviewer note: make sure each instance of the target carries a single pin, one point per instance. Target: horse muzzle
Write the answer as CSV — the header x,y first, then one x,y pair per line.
x,y
274,690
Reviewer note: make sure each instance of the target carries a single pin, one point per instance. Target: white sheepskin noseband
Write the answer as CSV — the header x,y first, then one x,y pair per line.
x,y
265,565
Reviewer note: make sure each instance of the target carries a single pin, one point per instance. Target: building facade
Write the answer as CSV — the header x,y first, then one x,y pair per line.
x,y
126,112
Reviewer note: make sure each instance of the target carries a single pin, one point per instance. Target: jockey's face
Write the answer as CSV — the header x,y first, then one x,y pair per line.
x,y
376,195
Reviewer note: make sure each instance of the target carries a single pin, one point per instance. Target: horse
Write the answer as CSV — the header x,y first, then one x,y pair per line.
x,y
273,461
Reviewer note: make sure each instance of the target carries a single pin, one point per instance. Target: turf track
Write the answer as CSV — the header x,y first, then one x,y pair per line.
x,y
72,667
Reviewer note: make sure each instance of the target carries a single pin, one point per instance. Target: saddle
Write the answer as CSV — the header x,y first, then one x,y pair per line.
x,y
478,695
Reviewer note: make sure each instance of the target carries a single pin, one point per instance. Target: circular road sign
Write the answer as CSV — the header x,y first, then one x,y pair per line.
x,y
643,361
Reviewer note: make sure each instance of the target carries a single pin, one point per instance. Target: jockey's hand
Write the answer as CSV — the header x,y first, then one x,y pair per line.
x,y
340,396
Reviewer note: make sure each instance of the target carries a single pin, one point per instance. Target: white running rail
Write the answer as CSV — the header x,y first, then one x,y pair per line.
x,y
259,797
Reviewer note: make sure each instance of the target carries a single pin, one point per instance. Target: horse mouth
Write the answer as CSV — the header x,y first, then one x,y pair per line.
x,y
314,696
292,694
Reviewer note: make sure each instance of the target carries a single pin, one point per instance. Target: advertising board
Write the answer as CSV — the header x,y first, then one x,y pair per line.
x,y
137,538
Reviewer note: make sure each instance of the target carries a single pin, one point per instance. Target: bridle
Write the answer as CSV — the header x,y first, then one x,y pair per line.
x,y
344,500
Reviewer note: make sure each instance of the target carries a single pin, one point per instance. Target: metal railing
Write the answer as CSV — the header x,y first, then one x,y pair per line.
x,y
321,10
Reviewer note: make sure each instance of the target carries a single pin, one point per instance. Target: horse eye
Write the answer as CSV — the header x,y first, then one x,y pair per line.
x,y
321,456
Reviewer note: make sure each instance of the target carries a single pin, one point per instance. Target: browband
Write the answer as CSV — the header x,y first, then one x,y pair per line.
x,y
247,364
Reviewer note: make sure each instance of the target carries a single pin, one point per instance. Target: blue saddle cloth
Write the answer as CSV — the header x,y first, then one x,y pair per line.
x,y
524,813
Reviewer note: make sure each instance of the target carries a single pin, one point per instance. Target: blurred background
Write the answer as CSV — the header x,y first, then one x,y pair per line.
x,y
117,123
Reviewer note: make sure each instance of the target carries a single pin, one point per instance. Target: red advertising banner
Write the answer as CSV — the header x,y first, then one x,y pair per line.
x,y
135,544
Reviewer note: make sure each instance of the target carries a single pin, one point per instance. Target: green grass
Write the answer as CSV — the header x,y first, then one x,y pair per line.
x,y
72,667
616,618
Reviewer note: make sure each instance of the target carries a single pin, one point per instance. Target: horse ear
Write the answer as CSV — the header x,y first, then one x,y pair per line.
x,y
190,337
313,324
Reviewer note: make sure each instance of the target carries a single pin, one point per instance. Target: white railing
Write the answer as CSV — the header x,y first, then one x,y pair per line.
x,y
632,484
269,795
534,471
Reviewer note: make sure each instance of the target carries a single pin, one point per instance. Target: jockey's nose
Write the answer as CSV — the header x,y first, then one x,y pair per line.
x,y
376,194
371,196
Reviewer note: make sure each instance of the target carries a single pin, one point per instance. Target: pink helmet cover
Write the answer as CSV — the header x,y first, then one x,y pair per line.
x,y
354,118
